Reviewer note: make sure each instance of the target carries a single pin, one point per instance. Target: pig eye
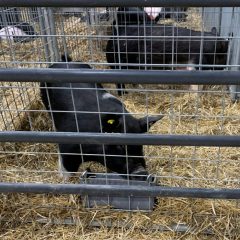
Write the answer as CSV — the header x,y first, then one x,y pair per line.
x,y
111,121
111,124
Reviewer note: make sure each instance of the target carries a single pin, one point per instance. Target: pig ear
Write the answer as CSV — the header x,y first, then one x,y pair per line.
x,y
148,121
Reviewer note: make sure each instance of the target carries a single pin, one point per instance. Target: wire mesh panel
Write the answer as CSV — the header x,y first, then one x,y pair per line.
x,y
132,40
226,20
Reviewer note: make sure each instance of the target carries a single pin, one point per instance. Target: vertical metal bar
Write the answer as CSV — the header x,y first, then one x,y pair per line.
x,y
117,26
43,33
48,34
52,26
235,47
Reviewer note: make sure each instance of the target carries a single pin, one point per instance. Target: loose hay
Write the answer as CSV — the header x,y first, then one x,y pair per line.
x,y
15,100
178,166
84,45
18,97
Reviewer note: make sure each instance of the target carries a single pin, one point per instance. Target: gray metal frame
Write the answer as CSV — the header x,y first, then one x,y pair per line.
x,y
113,139
123,76
120,190
226,21
48,33
118,3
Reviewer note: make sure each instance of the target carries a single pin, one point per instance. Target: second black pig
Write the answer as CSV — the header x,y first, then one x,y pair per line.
x,y
165,44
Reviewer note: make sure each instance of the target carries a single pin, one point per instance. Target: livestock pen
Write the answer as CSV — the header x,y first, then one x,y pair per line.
x,y
193,151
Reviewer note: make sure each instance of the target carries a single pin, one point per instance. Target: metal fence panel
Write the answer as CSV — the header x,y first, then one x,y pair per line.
x,y
193,150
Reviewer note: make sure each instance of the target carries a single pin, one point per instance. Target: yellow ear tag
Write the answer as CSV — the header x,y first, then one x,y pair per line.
x,y
110,121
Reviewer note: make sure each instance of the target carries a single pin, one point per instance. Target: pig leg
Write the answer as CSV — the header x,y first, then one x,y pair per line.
x,y
196,88
68,163
64,174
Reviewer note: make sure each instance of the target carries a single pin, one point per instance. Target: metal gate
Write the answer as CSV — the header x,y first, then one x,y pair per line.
x,y
191,154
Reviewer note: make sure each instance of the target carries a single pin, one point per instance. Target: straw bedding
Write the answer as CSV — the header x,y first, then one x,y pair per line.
x,y
29,216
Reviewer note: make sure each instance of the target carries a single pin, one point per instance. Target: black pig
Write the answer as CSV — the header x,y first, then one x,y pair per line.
x,y
97,111
165,44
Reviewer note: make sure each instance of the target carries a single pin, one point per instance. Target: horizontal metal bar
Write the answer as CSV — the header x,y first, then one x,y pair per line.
x,y
115,3
182,228
119,190
116,138
120,76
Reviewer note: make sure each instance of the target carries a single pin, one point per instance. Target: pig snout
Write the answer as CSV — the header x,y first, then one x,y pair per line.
x,y
139,174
